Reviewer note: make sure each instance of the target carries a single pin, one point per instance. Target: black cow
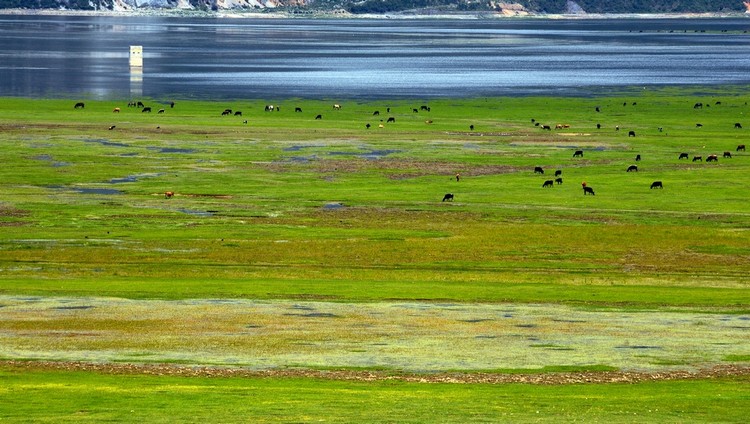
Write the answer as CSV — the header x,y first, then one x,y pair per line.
x,y
140,104
226,112
367,126
171,105
632,168
160,111
558,180
737,125
79,105
741,148
657,184
712,158
631,133
238,113
728,155
578,153
683,156
699,125
415,110
538,170
424,107
597,109
376,113
698,106
588,190
112,127
697,158
546,127
391,119
319,117
558,172
146,109
598,126
448,197
298,109
637,158
548,183
471,127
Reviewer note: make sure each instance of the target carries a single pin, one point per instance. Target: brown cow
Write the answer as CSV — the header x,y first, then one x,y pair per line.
x,y
712,158
168,194
728,155
116,110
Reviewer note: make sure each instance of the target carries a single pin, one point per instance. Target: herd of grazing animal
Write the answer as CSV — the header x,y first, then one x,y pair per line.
x,y
449,197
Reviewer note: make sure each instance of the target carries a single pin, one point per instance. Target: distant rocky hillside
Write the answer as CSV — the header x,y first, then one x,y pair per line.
x,y
509,7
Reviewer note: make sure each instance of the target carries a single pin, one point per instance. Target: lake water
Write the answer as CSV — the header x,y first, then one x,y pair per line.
x,y
87,57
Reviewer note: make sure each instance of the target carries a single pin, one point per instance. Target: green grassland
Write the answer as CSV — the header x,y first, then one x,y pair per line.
x,y
320,244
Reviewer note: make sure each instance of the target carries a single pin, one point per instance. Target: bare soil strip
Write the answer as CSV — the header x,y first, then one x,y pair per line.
x,y
546,378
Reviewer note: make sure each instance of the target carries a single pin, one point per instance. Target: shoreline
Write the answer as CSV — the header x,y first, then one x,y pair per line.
x,y
404,15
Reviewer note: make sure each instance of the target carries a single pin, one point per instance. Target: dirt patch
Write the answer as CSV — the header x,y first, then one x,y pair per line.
x,y
7,211
396,169
547,378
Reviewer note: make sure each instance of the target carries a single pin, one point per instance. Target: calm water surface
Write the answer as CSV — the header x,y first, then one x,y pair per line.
x,y
87,57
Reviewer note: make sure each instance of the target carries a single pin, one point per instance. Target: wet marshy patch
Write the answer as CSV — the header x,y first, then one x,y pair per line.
x,y
314,315
172,149
73,308
53,162
196,212
87,190
131,178
105,142
333,206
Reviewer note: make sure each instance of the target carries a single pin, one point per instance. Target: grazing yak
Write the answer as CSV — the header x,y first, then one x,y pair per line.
x,y
657,184
146,109
558,172
238,113
376,113
448,197
588,190
728,155
578,153
318,116
632,168
160,111
168,194
631,133
741,148
697,158
546,127
79,105
637,158
558,180
683,156
538,170
337,107
116,110
391,119
140,104
548,183
298,109
737,125
112,127
471,127
712,158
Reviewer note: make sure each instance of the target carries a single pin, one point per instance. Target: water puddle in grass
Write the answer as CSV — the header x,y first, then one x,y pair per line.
x,y
172,150
48,158
64,308
333,206
132,178
105,142
195,213
88,190
371,155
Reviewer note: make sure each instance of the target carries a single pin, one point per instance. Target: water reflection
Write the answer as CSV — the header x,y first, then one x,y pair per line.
x,y
280,58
